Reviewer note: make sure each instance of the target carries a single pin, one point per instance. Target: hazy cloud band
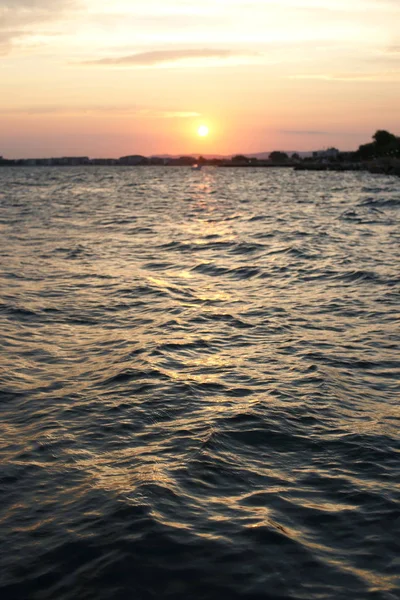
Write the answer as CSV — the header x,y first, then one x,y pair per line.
x,y
156,57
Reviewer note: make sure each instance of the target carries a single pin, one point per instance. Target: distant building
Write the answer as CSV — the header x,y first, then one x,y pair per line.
x,y
182,161
69,161
134,160
108,162
74,161
157,160
44,162
330,153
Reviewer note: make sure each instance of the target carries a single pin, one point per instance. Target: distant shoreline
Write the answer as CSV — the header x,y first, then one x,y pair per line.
x,y
381,156
378,167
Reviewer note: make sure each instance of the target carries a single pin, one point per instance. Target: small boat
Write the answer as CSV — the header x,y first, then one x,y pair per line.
x,y
196,167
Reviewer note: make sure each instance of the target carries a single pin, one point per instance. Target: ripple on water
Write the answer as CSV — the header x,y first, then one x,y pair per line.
x,y
200,385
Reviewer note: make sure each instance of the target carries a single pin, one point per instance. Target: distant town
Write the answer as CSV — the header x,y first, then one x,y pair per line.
x,y
382,155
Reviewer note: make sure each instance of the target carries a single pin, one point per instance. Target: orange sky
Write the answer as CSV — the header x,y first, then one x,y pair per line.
x,y
109,78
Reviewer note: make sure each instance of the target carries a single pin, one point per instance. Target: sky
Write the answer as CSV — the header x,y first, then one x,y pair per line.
x,y
107,78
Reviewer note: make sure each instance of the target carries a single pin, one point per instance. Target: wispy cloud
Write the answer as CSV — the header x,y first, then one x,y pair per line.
x,y
160,57
21,18
302,132
330,5
175,114
134,111
390,76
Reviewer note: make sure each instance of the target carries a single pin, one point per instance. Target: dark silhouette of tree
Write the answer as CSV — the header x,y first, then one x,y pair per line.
x,y
278,157
240,158
186,160
384,144
295,156
366,151
383,138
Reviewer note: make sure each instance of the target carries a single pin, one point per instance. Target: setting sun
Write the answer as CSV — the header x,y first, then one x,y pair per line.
x,y
203,131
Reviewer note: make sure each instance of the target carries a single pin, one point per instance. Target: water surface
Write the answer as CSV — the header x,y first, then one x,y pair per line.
x,y
200,384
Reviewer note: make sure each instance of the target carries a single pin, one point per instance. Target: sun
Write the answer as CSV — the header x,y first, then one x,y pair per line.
x,y
203,131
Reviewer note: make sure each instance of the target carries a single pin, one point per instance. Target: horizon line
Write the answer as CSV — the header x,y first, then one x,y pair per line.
x,y
176,155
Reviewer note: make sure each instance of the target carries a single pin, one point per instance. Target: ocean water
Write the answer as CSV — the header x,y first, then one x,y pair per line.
x,y
200,384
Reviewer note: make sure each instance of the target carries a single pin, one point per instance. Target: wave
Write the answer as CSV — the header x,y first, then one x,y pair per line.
x,y
199,395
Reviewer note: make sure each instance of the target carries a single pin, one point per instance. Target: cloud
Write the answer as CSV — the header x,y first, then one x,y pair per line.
x,y
117,110
21,18
175,114
303,132
17,11
328,5
159,57
389,77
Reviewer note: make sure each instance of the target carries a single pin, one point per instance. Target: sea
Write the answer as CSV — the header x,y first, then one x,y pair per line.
x,y
200,384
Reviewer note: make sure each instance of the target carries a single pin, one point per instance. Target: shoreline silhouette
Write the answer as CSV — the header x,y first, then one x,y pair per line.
x,y
381,156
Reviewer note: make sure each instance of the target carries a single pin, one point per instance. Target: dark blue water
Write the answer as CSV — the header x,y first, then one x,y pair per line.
x,y
200,385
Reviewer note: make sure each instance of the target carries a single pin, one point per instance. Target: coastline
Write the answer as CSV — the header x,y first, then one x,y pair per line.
x,y
376,167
